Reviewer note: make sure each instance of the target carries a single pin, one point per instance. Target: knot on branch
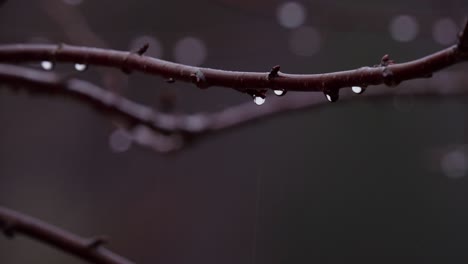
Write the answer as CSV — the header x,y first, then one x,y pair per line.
x,y
125,68
199,79
143,49
273,72
98,241
385,61
389,78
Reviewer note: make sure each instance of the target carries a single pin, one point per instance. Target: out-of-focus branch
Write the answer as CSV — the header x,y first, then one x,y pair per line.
x,y
386,72
12,223
48,83
165,132
78,31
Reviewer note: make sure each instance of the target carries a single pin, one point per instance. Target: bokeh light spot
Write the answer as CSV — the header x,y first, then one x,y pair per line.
x,y
404,28
305,41
190,51
120,141
445,31
291,14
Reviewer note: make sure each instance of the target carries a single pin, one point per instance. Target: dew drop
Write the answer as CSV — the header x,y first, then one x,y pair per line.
x,y
332,96
47,65
259,100
81,67
358,89
279,92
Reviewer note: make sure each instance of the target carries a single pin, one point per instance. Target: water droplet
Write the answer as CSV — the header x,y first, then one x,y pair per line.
x,y
332,96
47,65
279,92
259,100
81,67
358,89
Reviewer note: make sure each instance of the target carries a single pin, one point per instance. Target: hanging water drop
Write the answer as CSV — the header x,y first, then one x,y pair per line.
x,y
47,65
259,100
81,67
332,96
279,92
358,89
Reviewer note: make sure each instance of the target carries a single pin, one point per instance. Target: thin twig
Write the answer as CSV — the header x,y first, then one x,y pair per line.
x,y
389,74
170,131
12,223
77,30
48,83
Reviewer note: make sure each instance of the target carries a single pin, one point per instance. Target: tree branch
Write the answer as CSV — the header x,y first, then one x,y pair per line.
x,y
385,73
48,83
165,132
170,132
12,222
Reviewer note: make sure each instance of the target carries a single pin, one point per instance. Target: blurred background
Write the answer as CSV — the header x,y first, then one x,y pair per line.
x,y
364,182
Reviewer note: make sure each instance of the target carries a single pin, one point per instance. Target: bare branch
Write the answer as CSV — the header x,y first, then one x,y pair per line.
x,y
78,31
48,83
166,132
390,74
12,223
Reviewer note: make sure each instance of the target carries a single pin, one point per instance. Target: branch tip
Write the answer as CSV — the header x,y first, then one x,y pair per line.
x,y
385,61
143,49
273,72
98,241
